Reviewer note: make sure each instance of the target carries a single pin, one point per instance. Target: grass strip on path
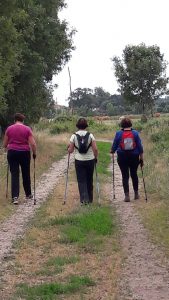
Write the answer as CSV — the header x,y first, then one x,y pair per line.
x,y
68,250
49,291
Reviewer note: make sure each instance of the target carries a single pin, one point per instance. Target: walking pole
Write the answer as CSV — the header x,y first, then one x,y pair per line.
x,y
7,180
65,194
114,196
34,195
144,183
97,184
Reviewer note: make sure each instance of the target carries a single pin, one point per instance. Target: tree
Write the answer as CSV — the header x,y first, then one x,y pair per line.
x,y
34,45
141,75
89,101
81,100
9,52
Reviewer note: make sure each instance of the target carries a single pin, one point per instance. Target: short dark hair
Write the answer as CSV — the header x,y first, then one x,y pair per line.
x,y
82,123
125,123
19,117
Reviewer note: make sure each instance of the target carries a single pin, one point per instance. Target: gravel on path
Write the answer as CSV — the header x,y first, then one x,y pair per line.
x,y
145,273
15,226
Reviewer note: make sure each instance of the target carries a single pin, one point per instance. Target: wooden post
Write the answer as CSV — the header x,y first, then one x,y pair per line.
x,y
70,86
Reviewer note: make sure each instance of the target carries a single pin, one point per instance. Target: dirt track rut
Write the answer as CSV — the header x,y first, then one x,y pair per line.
x,y
145,273
15,226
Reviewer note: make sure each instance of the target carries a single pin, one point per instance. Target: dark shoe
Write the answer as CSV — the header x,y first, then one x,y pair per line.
x,y
29,197
15,200
136,195
127,197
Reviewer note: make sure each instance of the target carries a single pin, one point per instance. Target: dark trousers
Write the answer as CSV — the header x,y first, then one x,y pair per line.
x,y
84,173
18,159
128,164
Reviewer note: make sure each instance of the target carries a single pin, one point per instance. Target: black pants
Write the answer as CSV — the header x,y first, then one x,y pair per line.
x,y
84,173
18,159
128,162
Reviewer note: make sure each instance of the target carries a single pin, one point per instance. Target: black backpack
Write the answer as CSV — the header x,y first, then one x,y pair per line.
x,y
83,146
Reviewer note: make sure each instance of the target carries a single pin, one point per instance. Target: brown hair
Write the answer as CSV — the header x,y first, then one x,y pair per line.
x,y
19,117
82,123
125,123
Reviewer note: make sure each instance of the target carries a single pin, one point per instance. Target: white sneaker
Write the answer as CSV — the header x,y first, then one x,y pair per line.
x,y
15,200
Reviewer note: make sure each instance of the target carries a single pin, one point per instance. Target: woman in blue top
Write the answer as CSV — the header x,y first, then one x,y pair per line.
x,y
129,149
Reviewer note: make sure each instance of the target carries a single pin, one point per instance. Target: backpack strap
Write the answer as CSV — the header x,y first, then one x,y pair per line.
x,y
78,135
88,133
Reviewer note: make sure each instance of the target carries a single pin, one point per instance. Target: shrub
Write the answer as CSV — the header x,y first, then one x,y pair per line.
x,y
59,128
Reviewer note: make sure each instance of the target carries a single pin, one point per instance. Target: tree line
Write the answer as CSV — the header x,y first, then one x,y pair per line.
x,y
141,75
88,102
34,45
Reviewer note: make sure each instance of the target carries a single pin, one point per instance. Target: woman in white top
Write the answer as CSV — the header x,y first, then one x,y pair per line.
x,y
86,154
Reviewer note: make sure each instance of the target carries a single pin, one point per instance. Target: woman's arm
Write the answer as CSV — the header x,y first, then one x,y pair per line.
x,y
139,144
5,141
32,143
94,148
71,147
116,142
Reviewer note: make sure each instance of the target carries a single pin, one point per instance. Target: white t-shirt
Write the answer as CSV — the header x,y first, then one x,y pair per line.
x,y
86,156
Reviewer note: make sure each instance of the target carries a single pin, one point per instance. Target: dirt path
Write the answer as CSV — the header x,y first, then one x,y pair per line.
x,y
145,272
15,226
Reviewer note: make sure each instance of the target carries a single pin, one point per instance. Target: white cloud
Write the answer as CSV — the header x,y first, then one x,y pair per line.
x,y
104,29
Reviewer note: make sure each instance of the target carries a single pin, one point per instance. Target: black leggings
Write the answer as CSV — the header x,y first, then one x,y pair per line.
x,y
128,162
22,159
84,173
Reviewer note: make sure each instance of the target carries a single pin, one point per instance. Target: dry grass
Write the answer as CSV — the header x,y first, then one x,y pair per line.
x,y
49,149
42,243
155,213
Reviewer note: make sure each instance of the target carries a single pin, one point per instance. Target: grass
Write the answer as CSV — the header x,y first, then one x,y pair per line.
x,y
104,157
50,149
94,219
156,220
155,213
55,265
48,291
40,257
85,227
47,252
61,261
70,248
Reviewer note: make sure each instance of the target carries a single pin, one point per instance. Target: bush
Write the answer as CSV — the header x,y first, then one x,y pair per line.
x,y
138,126
59,128
155,137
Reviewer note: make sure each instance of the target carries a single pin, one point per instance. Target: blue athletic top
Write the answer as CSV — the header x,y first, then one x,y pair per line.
x,y
117,139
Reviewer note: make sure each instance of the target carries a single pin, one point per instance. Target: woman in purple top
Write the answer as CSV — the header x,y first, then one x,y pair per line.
x,y
19,142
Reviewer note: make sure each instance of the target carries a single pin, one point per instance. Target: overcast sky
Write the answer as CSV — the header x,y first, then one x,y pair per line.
x,y
104,28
